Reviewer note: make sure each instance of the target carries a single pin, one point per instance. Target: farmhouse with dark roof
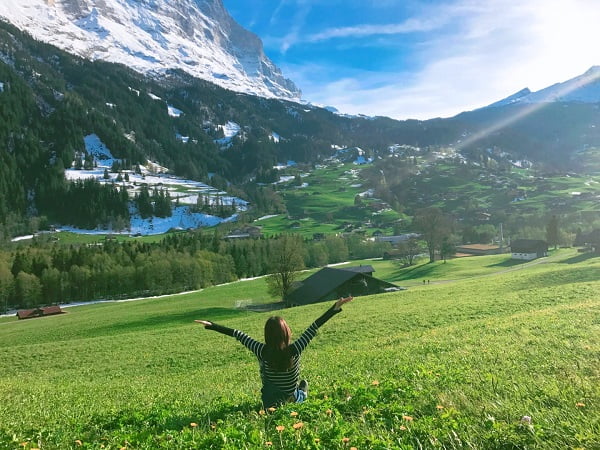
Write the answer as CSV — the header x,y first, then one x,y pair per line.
x,y
332,283
528,249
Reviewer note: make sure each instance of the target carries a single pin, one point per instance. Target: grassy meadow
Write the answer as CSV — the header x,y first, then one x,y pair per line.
x,y
325,204
490,358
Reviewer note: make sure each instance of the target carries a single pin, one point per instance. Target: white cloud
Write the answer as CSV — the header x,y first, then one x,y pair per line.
x,y
480,52
366,30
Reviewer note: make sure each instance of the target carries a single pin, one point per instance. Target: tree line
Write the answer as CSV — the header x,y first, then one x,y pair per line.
x,y
51,273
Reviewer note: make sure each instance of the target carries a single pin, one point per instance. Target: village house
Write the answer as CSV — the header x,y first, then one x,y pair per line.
x,y
395,240
590,240
39,312
332,283
528,249
244,233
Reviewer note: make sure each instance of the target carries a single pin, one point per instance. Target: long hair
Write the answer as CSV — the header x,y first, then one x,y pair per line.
x,y
277,340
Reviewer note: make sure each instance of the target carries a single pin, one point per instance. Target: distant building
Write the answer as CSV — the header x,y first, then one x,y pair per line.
x,y
244,233
39,312
590,240
332,283
479,249
528,249
395,240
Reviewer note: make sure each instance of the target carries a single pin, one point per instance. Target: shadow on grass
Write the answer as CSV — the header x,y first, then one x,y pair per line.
x,y
580,258
509,263
424,270
166,320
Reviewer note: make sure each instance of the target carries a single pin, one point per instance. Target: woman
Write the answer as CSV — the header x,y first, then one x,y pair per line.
x,y
279,360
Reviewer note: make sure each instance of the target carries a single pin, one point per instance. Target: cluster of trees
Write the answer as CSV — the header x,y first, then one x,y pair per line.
x,y
156,204
215,206
87,204
436,230
53,273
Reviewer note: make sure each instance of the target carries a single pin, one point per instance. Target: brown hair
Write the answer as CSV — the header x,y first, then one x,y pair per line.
x,y
277,340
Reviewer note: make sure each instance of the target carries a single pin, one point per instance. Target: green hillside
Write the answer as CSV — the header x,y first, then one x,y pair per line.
x,y
500,361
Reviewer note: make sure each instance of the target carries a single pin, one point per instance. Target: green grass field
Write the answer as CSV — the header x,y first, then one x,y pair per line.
x,y
486,361
326,203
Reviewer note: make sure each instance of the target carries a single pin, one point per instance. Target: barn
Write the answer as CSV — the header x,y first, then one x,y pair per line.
x,y
39,312
332,283
528,249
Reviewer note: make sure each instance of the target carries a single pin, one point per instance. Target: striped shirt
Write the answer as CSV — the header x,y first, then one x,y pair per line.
x,y
284,381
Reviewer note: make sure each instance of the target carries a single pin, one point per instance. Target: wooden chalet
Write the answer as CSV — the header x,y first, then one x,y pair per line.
x,y
590,240
395,240
39,312
332,283
528,249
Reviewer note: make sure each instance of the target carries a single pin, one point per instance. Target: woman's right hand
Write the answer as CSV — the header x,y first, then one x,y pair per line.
x,y
341,302
206,323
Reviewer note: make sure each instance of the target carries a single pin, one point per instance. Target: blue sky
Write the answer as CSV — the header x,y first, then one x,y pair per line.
x,y
423,59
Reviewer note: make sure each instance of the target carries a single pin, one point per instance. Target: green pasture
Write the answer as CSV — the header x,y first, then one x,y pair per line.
x,y
325,204
304,227
504,361
453,269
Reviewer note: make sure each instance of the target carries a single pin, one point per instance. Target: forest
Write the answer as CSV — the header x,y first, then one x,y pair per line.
x,y
48,272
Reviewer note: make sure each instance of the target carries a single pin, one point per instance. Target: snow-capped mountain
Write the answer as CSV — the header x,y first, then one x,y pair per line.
x,y
582,89
152,36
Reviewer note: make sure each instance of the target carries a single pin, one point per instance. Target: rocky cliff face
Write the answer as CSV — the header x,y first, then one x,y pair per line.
x,y
152,36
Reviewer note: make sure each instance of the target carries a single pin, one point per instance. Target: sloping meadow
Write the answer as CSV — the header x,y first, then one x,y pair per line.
x,y
506,361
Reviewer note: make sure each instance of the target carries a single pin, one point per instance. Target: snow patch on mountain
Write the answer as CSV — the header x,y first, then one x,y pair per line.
x,y
186,192
174,112
512,98
151,37
102,155
230,130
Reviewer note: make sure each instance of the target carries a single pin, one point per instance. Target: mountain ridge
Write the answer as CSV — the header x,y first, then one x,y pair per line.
x,y
151,37
584,88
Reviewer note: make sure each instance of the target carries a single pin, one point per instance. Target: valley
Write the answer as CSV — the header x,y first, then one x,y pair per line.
x,y
157,168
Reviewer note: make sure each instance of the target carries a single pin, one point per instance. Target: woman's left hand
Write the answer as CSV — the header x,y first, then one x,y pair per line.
x,y
342,301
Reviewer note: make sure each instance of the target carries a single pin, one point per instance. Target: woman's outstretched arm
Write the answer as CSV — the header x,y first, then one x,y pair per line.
x,y
213,326
300,344
251,344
